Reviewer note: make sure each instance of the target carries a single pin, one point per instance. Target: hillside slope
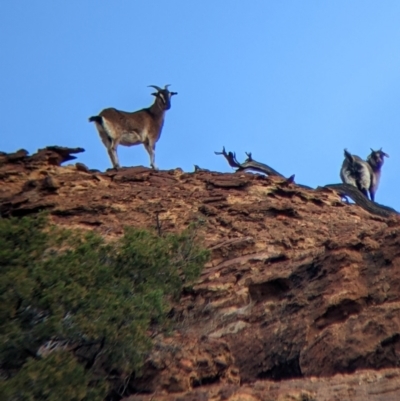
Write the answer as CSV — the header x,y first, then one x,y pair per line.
x,y
301,298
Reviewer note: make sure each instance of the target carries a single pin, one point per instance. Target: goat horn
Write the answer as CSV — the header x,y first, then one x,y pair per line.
x,y
166,86
155,87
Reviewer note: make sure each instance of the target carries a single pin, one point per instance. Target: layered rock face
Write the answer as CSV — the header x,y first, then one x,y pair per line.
x,y
301,297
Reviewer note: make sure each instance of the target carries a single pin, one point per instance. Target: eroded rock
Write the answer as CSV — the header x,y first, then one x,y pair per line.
x,y
301,297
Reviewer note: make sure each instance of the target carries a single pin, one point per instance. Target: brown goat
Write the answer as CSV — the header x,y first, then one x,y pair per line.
x,y
144,126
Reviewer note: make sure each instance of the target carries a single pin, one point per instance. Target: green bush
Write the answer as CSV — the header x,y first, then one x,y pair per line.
x,y
100,299
57,377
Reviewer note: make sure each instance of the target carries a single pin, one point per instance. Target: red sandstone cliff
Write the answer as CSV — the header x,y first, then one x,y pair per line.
x,y
301,299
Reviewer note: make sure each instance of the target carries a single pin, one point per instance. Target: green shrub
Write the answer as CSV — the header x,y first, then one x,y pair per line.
x,y
57,377
99,298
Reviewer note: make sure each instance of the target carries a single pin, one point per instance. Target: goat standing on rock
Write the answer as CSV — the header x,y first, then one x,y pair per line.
x,y
365,175
144,126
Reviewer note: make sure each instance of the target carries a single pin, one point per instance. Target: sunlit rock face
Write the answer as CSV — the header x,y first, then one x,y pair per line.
x,y
300,299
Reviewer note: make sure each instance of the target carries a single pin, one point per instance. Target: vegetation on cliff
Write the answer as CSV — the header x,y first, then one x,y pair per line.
x,y
77,312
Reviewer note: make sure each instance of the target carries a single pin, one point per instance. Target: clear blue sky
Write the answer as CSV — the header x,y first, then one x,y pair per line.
x,y
294,82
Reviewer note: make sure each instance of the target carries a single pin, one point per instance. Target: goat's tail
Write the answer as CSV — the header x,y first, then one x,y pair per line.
x,y
348,156
97,119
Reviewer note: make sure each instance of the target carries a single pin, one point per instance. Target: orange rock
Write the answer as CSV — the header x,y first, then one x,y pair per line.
x,y
301,298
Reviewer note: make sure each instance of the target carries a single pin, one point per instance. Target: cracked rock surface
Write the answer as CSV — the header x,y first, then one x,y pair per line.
x,y
301,297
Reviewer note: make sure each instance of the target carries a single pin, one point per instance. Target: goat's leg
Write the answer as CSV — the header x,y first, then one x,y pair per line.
x,y
362,188
372,195
365,192
151,150
110,144
345,198
112,152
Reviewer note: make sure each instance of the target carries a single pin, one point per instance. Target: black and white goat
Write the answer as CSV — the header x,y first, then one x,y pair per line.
x,y
363,174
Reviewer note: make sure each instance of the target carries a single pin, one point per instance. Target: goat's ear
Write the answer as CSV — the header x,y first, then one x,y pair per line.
x,y
383,153
173,93
155,94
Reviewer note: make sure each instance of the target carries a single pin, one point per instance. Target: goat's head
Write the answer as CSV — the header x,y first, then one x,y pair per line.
x,y
376,158
163,96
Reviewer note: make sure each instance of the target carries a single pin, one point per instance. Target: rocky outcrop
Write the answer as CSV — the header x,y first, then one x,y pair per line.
x,y
365,385
301,298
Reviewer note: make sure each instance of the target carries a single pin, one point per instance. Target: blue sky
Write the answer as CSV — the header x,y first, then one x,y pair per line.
x,y
294,82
